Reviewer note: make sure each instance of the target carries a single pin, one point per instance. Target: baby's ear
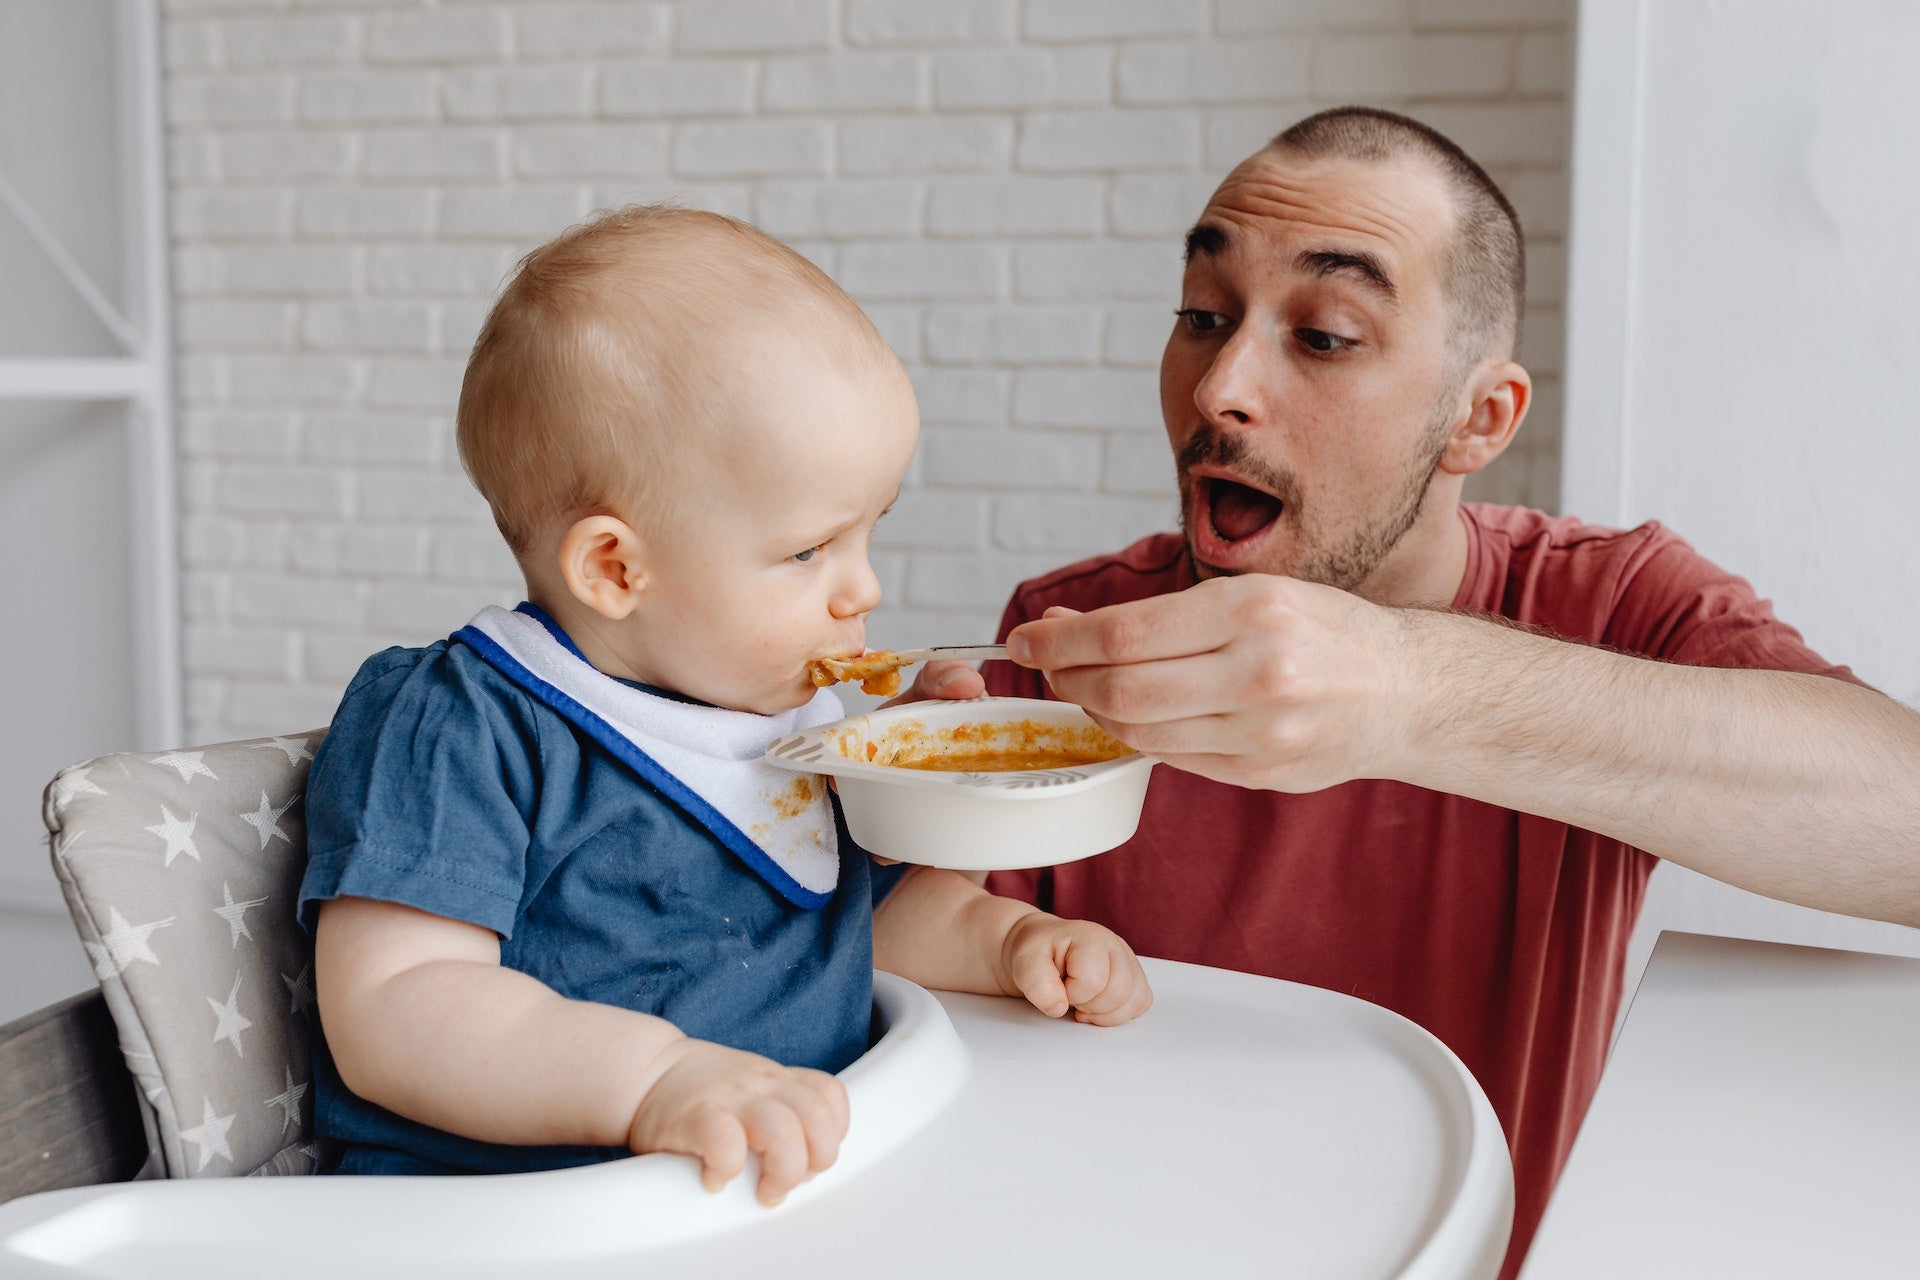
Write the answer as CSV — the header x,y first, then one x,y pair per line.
x,y
602,563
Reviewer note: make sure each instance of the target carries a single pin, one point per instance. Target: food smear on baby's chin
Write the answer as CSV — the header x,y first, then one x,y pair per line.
x,y
877,670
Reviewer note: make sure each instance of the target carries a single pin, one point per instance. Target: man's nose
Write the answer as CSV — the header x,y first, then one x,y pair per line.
x,y
1229,392
856,592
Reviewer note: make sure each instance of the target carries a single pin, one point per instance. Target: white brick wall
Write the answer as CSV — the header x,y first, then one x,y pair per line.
x,y
1002,182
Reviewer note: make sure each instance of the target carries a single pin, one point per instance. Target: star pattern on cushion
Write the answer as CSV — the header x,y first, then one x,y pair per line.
x,y
301,988
150,920
231,1021
178,834
73,783
266,820
296,748
210,1135
123,944
235,914
189,764
288,1100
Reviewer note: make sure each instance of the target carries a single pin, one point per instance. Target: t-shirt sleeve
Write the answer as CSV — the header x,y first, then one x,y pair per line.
x,y
883,879
421,793
1676,605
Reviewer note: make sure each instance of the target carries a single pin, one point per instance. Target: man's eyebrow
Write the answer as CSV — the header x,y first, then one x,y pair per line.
x,y
1205,238
1326,262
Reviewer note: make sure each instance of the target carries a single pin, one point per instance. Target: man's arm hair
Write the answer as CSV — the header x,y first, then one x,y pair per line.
x,y
1794,785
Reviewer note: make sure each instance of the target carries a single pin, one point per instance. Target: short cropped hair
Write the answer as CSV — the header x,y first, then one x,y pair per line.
x,y
608,352
1486,264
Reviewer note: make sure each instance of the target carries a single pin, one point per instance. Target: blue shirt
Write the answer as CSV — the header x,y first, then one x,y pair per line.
x,y
444,786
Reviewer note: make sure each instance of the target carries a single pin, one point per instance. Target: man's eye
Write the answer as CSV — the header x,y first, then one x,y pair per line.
x,y
1200,322
1322,342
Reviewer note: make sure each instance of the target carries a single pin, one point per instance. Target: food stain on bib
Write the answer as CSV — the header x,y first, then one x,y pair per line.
x,y
795,798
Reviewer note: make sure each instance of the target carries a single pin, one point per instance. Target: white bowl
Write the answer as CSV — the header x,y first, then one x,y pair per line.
x,y
983,821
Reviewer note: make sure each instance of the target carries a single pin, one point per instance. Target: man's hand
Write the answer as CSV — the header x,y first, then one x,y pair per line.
x,y
717,1104
1791,785
1061,965
942,678
1261,681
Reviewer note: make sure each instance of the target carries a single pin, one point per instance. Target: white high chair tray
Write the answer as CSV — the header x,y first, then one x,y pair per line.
x,y
1244,1125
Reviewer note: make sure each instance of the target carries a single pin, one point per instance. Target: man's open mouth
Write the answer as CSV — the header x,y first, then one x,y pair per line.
x,y
1233,512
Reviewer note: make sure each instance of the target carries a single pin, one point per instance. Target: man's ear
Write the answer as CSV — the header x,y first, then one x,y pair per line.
x,y
1497,395
602,563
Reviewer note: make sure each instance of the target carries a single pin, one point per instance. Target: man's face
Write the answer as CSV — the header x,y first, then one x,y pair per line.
x,y
1305,387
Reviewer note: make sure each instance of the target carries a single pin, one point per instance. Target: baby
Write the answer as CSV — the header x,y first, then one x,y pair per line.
x,y
562,909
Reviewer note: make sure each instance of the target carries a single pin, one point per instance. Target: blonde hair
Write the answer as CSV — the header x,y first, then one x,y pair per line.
x,y
589,374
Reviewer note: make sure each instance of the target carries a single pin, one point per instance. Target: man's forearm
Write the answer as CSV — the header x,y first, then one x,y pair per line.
x,y
1800,787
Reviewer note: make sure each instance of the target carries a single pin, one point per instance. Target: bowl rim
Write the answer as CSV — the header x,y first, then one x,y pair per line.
x,y
811,751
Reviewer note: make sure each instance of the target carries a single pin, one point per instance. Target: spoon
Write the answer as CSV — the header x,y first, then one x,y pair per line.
x,y
878,670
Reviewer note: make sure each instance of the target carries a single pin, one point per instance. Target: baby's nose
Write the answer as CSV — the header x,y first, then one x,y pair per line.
x,y
858,593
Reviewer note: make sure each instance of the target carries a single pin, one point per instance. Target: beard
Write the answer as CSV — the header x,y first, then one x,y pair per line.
x,y
1334,558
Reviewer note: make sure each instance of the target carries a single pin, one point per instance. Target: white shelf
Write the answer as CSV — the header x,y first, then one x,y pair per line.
x,y
78,378
131,304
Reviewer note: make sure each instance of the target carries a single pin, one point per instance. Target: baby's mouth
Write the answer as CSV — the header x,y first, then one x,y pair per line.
x,y
878,672
1234,511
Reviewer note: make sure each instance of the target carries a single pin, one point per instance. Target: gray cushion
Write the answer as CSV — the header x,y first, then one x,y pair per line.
x,y
181,869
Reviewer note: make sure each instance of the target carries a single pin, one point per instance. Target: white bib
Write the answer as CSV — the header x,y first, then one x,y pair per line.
x,y
707,760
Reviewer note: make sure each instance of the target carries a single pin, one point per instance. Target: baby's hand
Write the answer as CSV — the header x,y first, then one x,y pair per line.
x,y
942,678
716,1104
1073,964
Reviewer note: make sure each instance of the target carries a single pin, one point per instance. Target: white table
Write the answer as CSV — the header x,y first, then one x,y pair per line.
x,y
1243,1127
1759,1117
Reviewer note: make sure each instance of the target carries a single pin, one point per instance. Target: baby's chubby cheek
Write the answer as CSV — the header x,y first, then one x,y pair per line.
x,y
784,689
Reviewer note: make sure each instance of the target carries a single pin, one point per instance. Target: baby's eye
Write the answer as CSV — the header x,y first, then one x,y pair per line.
x,y
801,557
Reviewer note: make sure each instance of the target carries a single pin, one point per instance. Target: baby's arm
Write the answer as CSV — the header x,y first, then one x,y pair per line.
x,y
423,1020
942,930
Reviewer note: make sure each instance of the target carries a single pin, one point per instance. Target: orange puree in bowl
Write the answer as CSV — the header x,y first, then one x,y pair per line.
x,y
994,747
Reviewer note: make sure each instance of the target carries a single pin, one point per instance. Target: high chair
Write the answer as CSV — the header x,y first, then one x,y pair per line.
x,y
1242,1124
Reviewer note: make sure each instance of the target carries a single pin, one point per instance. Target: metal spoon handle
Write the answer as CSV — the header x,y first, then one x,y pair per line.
x,y
966,652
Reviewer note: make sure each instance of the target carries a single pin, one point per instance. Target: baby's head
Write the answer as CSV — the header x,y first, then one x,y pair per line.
x,y
686,432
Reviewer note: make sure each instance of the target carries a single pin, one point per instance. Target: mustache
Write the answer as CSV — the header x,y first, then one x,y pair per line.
x,y
1212,447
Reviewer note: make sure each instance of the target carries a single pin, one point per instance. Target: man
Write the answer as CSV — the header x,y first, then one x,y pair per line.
x,y
1495,719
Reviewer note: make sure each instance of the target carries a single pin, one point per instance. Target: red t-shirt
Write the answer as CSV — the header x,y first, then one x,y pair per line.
x,y
1502,933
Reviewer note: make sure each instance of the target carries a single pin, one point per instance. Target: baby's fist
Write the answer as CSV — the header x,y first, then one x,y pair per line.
x,y
716,1104
942,678
1061,965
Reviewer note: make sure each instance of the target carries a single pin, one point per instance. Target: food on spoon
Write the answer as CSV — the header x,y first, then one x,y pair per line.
x,y
877,670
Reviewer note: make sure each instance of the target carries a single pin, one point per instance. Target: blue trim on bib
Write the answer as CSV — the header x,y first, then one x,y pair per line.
x,y
554,629
545,619
649,769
